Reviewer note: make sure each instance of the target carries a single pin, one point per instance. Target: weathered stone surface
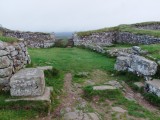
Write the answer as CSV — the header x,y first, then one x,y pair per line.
x,y
2,45
32,39
137,64
27,82
153,87
115,52
6,72
122,63
3,53
4,62
44,97
104,87
143,65
4,81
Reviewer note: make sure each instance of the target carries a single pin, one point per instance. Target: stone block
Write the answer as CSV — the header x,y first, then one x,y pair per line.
x,y
122,63
4,62
153,87
27,82
143,66
6,72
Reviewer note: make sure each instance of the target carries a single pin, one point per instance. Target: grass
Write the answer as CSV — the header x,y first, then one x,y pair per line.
x,y
71,59
154,50
125,28
8,39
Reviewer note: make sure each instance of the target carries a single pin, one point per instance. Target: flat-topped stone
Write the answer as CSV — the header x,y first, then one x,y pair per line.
x,y
27,82
104,87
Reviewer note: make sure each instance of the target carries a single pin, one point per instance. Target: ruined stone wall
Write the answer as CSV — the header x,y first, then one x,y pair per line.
x,y
100,39
33,39
130,38
107,38
13,57
153,26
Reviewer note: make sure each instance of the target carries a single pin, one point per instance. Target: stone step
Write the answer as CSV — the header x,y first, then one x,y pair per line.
x,y
104,87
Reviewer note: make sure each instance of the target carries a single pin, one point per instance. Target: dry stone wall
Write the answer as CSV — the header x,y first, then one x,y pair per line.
x,y
108,38
13,57
100,39
153,26
33,39
130,38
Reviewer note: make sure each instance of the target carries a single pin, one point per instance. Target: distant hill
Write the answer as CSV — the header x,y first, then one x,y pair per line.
x,y
63,35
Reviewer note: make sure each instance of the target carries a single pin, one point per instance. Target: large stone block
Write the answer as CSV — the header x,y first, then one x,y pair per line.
x,y
143,66
27,82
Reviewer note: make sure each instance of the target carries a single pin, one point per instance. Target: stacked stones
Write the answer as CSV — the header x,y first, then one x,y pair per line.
x,y
33,39
100,39
13,57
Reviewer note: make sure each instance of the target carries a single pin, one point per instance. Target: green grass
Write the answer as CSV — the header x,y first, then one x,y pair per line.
x,y
154,50
118,99
125,28
8,39
71,59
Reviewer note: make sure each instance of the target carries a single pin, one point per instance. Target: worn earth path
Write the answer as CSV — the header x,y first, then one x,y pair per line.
x,y
74,107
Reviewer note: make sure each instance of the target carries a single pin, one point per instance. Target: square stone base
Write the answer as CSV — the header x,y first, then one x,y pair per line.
x,y
44,97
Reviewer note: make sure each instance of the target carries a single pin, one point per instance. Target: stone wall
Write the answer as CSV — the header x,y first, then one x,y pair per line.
x,y
33,39
100,39
108,38
13,57
130,38
153,26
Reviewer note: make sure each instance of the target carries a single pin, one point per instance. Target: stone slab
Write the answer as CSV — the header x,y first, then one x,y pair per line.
x,y
104,87
118,109
44,97
45,67
27,82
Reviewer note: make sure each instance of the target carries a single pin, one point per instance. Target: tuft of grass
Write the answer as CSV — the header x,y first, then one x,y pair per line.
x,y
8,39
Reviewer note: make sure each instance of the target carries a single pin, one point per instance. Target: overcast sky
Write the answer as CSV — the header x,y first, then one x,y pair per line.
x,y
75,15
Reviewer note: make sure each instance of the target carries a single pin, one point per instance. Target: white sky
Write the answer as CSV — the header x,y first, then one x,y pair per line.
x,y
75,15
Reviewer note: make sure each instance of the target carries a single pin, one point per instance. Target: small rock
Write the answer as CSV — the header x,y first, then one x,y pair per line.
x,y
118,109
114,83
139,84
